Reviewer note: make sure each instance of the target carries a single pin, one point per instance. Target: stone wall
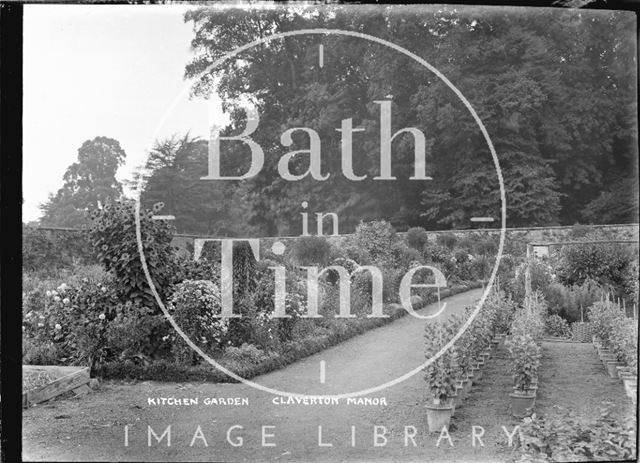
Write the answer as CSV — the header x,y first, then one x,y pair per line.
x,y
521,236
513,236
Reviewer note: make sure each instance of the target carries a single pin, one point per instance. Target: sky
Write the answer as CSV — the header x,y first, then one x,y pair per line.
x,y
105,70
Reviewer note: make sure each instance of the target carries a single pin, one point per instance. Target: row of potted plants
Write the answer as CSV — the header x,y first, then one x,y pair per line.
x,y
616,341
451,376
525,351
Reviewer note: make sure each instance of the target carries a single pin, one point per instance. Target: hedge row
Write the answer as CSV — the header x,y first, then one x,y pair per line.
x,y
173,372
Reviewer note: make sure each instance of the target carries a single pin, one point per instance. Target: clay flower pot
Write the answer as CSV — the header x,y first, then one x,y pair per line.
x,y
522,404
439,416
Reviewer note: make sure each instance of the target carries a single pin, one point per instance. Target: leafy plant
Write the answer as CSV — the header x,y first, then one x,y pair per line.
x,y
447,240
312,250
525,356
195,306
605,263
557,326
376,238
439,375
569,438
417,237
113,234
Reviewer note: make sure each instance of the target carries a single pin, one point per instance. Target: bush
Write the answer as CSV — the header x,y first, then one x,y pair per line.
x,y
630,282
417,237
571,303
312,250
195,306
112,234
402,257
604,263
541,277
186,268
376,238
447,240
557,326
570,438
137,333
486,247
74,319
49,250
245,353
603,315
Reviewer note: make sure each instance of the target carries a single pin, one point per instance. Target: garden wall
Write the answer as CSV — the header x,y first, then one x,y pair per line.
x,y
519,235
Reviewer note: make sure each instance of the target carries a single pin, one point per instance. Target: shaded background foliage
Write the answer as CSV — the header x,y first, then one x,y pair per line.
x,y
555,88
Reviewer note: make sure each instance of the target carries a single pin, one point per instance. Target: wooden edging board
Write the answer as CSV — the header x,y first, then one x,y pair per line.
x,y
67,379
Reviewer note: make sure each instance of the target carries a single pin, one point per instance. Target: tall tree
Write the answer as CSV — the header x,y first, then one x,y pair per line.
x,y
554,88
173,175
87,183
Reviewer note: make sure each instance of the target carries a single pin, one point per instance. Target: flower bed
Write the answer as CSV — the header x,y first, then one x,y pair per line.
x,y
246,366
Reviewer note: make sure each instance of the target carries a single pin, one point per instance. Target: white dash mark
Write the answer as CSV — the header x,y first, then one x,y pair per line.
x,y
163,217
482,219
322,371
321,55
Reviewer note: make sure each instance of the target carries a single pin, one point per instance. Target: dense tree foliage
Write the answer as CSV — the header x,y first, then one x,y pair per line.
x,y
88,183
172,176
555,89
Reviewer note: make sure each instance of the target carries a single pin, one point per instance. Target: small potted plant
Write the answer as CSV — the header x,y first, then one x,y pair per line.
x,y
525,355
440,377
441,386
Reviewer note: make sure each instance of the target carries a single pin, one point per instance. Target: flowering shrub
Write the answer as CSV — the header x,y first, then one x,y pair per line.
x,y
74,319
195,306
113,234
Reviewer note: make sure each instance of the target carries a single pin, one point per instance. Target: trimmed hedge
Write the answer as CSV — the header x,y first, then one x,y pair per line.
x,y
173,372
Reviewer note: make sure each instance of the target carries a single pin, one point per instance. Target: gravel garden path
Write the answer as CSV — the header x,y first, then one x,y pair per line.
x,y
92,427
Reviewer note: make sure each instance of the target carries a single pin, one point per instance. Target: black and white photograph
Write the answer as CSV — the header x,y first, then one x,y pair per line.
x,y
327,232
